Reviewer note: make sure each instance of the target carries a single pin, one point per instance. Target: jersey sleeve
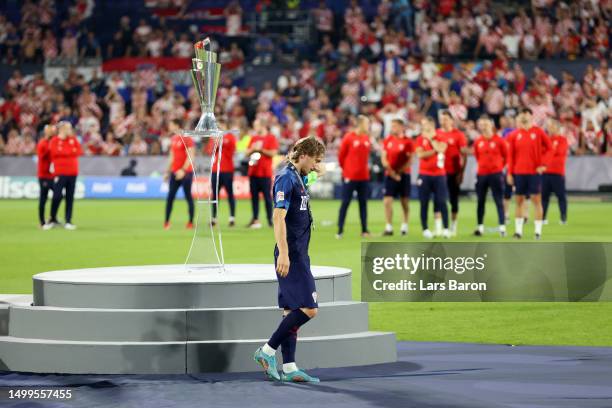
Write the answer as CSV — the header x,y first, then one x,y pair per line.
x,y
283,186
462,140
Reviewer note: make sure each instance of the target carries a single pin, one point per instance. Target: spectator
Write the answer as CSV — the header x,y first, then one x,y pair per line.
x,y
138,147
91,47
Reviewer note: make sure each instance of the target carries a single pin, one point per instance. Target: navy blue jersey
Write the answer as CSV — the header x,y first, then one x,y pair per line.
x,y
291,194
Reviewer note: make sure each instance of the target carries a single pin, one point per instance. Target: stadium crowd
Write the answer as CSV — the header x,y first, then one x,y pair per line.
x,y
408,60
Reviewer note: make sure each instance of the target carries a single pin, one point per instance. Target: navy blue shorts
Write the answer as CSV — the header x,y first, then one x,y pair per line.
x,y
507,188
527,184
394,188
297,289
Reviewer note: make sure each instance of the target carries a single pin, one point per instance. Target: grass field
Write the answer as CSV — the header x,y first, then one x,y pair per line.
x,y
130,233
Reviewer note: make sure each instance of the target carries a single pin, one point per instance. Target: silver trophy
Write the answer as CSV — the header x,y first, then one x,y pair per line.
x,y
205,74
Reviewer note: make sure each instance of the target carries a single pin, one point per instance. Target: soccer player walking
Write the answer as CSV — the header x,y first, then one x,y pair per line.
x,y
226,175
180,171
65,151
491,153
45,177
553,180
262,148
430,150
396,159
455,162
297,294
353,156
528,146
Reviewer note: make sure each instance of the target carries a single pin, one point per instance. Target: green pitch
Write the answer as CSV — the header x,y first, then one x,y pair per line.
x,y
130,233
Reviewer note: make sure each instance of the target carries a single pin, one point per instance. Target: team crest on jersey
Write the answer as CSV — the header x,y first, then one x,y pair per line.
x,y
533,136
356,143
492,145
481,144
555,143
304,203
451,141
519,137
280,196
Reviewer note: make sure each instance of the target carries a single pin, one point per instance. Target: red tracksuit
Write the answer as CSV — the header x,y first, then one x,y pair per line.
x,y
491,155
456,140
428,166
178,147
227,155
65,155
527,150
263,167
353,157
555,163
398,150
44,159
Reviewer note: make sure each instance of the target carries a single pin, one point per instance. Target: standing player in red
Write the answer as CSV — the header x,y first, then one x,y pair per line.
x,y
180,171
491,153
528,147
553,180
262,148
396,159
226,174
430,148
45,177
454,165
65,150
353,158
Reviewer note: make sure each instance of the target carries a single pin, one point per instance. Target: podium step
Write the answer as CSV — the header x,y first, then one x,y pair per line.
x,y
83,357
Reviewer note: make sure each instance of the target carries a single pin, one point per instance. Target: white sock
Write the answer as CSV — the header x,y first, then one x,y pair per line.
x,y
231,218
268,350
438,224
518,225
404,227
502,228
453,226
289,368
481,228
538,226
388,227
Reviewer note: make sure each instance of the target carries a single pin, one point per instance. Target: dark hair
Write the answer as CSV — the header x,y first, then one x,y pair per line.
x,y
310,146
399,120
445,112
526,110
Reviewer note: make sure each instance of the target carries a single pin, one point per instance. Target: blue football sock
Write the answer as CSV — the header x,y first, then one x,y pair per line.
x,y
292,321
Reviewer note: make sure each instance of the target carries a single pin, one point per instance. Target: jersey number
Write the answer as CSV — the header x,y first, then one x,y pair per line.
x,y
304,204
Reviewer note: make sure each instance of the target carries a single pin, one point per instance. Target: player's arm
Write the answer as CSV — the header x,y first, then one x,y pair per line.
x,y
423,154
270,148
509,175
343,151
280,236
546,152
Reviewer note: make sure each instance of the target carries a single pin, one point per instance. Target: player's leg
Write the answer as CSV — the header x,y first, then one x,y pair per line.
x,y
389,193
497,190
254,187
520,185
288,347
546,192
348,187
441,196
214,196
507,198
453,197
405,202
186,183
45,185
228,182
173,186
481,195
362,196
266,186
561,194
58,191
70,188
535,192
424,186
